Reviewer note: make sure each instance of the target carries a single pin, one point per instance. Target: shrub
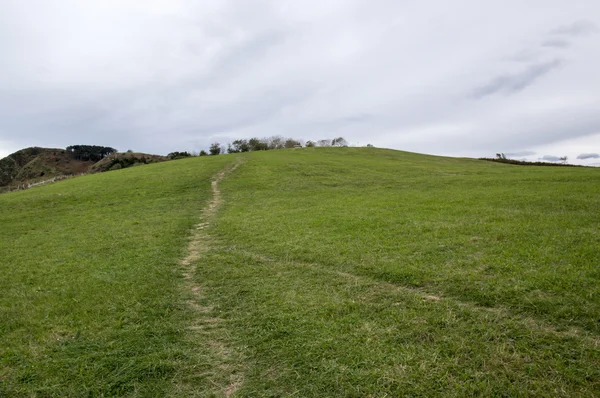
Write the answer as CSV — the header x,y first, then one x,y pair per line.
x,y
178,155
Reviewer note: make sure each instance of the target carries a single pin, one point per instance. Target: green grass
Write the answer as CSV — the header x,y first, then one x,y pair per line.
x,y
91,302
486,233
326,272
357,272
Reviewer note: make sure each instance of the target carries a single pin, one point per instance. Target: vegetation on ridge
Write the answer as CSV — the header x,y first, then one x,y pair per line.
x,y
90,152
124,160
528,163
36,165
33,164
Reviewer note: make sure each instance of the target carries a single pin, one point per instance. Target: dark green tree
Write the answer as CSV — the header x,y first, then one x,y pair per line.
x,y
291,143
238,146
215,148
179,155
256,144
89,152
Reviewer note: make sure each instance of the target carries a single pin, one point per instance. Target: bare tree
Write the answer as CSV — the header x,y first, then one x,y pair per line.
x,y
340,141
276,142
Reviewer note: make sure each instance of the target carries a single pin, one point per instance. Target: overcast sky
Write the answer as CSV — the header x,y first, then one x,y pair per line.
x,y
458,78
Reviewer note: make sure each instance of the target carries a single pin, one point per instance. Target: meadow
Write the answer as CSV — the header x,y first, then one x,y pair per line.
x,y
349,272
91,303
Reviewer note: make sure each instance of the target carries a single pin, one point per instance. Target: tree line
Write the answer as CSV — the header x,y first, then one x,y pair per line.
x,y
90,152
270,143
96,152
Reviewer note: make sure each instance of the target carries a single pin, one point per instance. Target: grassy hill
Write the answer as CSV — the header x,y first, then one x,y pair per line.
x,y
315,272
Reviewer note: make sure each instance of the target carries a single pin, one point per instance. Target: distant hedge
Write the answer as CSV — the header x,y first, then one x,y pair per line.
x,y
525,163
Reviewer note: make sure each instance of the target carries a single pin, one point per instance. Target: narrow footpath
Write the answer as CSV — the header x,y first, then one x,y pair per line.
x,y
217,367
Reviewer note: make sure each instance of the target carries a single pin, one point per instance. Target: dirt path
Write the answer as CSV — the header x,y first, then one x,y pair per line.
x,y
207,334
198,242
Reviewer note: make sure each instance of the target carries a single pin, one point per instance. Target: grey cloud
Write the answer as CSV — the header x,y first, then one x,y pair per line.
x,y
578,28
575,124
550,158
556,43
512,133
343,122
239,58
559,38
521,153
362,117
589,156
526,56
512,83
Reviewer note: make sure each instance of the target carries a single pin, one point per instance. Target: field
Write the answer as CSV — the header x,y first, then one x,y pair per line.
x,y
91,299
317,272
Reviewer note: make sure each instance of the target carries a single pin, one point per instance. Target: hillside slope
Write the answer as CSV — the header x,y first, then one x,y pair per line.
x,y
309,272
368,272
32,164
91,303
123,160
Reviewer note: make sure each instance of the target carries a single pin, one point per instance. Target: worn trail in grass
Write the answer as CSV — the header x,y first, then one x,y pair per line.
x,y
217,367
356,272
92,301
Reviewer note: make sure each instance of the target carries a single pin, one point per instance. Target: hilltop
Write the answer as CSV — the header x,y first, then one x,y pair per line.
x,y
31,165
338,272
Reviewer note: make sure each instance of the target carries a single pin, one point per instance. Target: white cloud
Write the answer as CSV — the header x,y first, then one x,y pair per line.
x,y
457,78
